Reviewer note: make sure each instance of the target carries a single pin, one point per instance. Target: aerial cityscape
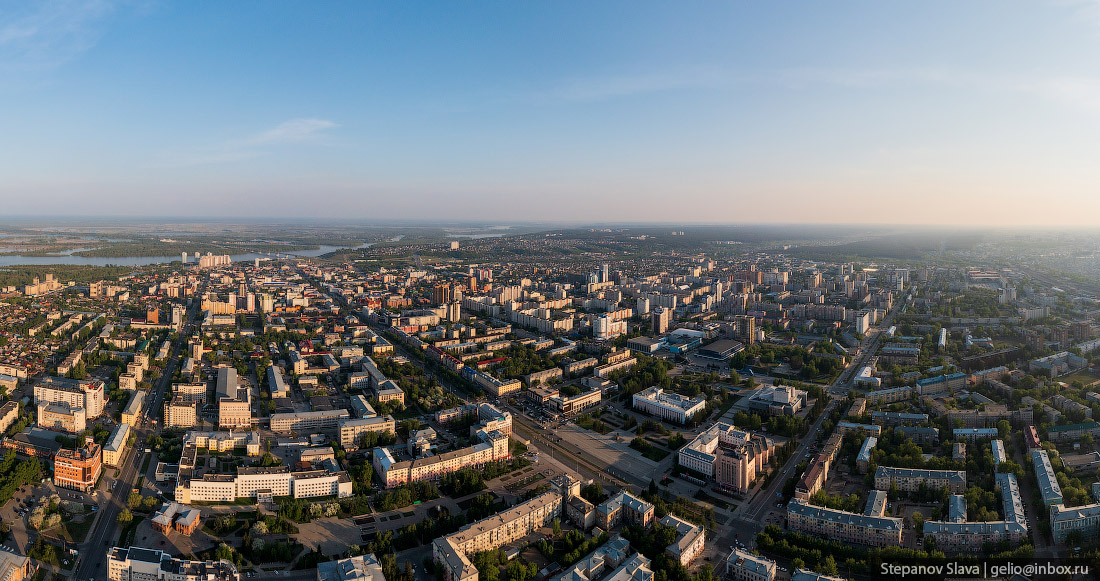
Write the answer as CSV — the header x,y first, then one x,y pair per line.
x,y
614,291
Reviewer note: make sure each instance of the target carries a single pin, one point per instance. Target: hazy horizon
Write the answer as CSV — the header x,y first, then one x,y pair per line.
x,y
975,114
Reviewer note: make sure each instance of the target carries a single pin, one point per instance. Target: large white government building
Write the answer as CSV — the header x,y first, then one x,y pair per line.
x,y
668,406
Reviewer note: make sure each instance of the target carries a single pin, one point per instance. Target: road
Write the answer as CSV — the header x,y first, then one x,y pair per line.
x,y
749,516
93,551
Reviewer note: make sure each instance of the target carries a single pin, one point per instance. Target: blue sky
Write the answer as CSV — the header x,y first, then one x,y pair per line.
x,y
877,112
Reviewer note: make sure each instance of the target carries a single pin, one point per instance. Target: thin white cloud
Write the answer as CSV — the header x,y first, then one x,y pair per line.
x,y
862,78
615,86
1078,92
45,34
295,130
304,130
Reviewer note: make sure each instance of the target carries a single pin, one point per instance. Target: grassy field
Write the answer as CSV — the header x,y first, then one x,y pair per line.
x,y
76,531
1084,376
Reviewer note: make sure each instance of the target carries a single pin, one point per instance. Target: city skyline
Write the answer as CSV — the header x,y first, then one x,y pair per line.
x,y
611,113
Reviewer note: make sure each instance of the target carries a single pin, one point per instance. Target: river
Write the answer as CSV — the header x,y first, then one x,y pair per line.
x,y
20,260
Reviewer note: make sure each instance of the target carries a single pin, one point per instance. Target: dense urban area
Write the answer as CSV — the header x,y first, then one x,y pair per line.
x,y
607,404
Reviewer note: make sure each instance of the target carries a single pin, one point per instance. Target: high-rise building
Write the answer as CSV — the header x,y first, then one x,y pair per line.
x,y
442,294
745,329
661,319
234,401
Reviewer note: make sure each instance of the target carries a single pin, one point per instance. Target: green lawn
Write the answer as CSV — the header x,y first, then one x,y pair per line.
x,y
1083,376
76,531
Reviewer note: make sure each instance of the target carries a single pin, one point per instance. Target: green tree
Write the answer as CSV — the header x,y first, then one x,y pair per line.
x,y
125,517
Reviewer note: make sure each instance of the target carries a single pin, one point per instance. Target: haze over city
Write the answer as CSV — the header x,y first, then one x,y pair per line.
x,y
930,113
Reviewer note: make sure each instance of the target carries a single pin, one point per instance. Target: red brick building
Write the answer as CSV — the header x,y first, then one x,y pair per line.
x,y
78,469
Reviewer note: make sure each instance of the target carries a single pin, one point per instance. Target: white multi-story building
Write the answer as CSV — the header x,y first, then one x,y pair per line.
x,y
308,422
491,447
248,482
669,406
86,394
361,568
61,417
699,454
141,564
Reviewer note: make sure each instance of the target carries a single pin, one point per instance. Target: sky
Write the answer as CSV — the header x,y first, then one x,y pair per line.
x,y
978,112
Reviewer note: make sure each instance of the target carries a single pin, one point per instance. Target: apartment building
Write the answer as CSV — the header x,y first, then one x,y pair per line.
x,y
957,535
181,414
78,469
900,353
910,479
132,413
60,417
1049,489
309,422
669,406
921,435
491,447
624,508
388,390
1084,520
116,445
869,429
846,527
86,394
974,434
610,561
9,413
745,566
941,384
493,532
1068,405
134,563
191,392
689,542
863,458
542,377
1073,432
351,431
891,395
